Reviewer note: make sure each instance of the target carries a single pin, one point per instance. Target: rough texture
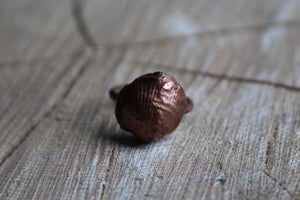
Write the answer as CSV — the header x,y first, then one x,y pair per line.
x,y
238,60
151,106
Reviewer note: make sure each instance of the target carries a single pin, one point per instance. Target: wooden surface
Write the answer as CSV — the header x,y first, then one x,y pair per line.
x,y
238,60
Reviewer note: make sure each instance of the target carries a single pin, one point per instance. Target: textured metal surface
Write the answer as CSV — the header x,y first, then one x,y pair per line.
x,y
151,106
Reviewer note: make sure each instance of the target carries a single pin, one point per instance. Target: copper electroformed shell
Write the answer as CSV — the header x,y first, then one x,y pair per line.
x,y
151,106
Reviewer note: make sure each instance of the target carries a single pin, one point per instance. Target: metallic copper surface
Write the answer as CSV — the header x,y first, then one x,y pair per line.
x,y
151,106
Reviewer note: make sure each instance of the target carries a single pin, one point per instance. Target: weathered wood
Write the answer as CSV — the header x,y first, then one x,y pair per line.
x,y
133,21
239,133
29,90
241,141
35,30
40,57
269,55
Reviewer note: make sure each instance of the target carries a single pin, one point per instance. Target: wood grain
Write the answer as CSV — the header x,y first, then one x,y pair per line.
x,y
132,21
29,90
41,55
35,30
240,66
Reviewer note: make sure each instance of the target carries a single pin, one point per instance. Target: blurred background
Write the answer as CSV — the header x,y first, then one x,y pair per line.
x,y
118,22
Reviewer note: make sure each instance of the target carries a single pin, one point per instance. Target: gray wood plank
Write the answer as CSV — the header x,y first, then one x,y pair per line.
x,y
240,142
256,40
34,29
29,90
238,60
41,55
130,21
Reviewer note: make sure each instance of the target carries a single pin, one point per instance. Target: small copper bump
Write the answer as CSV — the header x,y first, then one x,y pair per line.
x,y
151,106
114,92
189,105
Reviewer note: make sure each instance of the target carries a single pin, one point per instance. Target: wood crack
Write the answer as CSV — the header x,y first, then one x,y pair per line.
x,y
81,25
48,108
279,184
227,77
110,161
102,191
270,147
